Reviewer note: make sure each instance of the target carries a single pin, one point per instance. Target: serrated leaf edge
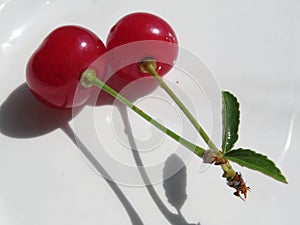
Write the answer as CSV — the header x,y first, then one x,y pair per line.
x,y
280,176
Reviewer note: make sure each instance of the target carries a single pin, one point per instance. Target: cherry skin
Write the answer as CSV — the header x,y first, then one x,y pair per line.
x,y
140,36
54,70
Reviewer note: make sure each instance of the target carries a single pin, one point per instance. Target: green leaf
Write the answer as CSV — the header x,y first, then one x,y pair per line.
x,y
255,161
230,120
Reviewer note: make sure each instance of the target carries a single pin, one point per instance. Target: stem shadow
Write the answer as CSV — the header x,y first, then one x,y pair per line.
x,y
134,217
22,116
174,219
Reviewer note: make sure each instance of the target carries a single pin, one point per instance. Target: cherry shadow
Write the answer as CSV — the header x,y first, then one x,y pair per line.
x,y
176,194
22,116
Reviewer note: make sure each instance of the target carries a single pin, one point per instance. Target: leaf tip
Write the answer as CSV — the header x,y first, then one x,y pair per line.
x,y
284,181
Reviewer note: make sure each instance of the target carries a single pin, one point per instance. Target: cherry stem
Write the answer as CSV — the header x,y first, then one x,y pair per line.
x,y
150,66
89,78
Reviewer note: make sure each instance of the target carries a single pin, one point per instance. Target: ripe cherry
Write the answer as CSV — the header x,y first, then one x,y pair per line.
x,y
54,70
140,36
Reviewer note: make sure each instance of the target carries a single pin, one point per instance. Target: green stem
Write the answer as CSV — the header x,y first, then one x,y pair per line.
x,y
151,68
89,79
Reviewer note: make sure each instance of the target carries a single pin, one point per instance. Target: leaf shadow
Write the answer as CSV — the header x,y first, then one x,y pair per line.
x,y
175,184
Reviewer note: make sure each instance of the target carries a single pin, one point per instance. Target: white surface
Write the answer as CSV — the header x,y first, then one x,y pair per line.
x,y
253,49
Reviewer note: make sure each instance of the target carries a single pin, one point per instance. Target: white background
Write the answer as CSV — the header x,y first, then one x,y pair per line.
x,y
253,49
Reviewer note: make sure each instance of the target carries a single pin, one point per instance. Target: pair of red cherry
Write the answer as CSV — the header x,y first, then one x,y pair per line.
x,y
54,70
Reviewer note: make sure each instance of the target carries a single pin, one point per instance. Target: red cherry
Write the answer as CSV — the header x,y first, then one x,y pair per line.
x,y
54,70
139,36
